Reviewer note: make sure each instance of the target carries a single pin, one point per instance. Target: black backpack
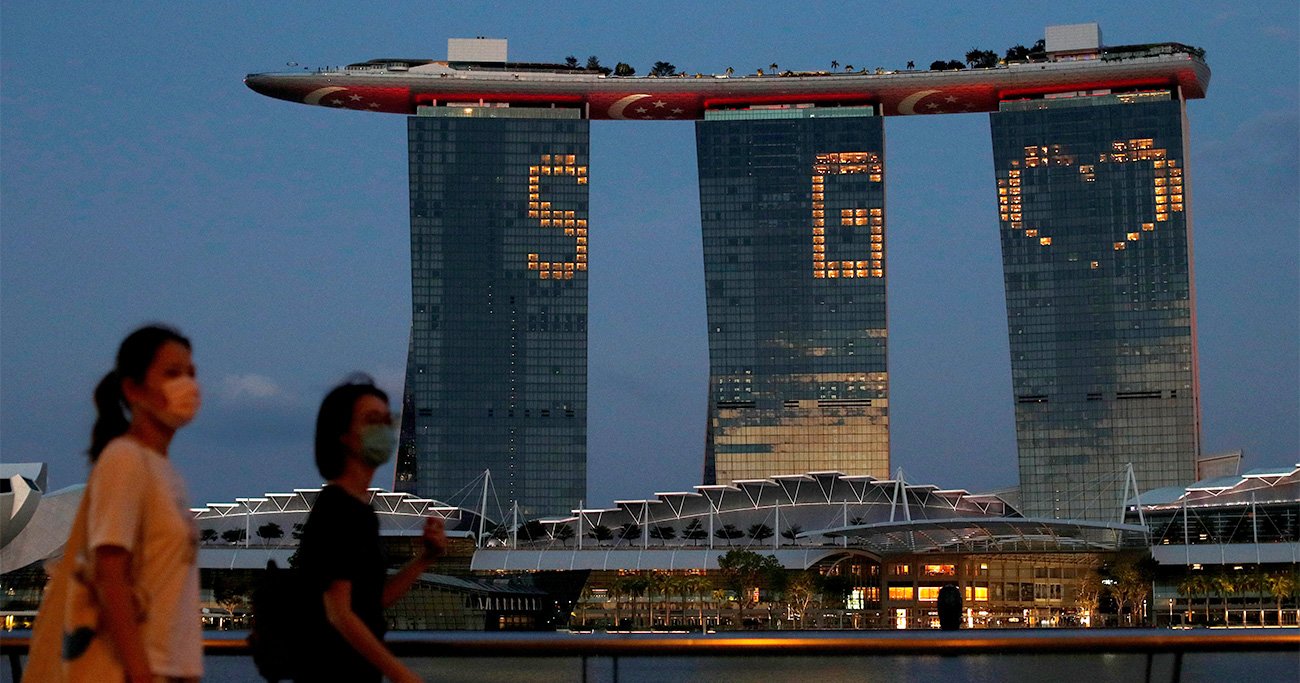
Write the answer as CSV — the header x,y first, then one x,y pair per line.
x,y
284,622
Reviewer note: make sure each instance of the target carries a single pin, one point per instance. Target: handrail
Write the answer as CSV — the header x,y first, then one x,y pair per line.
x,y
865,643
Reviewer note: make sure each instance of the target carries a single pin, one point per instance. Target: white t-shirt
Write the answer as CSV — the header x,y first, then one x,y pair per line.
x,y
138,502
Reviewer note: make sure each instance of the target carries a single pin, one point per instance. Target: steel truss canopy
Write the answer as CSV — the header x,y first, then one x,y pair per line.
x,y
800,519
991,534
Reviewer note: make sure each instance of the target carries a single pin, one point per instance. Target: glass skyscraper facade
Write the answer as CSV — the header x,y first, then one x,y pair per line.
x,y
1096,245
792,205
497,372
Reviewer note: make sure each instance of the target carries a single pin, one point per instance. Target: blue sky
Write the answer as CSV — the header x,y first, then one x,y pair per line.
x,y
140,180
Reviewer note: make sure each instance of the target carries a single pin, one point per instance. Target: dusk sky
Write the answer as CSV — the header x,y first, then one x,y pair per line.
x,y
140,180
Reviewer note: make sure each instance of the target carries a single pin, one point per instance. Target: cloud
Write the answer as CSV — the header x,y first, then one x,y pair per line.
x,y
250,386
1261,158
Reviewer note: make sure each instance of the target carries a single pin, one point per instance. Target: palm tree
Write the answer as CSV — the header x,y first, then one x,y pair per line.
x,y
564,533
699,586
791,533
1282,586
638,586
1225,585
617,591
665,585
774,67
834,65
209,535
730,71
1194,585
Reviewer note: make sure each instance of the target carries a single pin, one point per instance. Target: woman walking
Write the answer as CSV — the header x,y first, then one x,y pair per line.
x,y
340,553
141,541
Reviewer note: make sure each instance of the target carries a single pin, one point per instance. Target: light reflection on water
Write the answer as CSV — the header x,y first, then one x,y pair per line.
x,y
1102,668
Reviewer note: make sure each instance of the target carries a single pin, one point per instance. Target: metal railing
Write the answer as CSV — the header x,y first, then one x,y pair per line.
x,y
587,647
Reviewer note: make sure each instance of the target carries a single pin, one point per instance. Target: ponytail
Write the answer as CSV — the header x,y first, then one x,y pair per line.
x,y
110,409
133,360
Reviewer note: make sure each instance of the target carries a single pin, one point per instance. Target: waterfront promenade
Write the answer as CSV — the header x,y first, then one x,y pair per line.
x,y
1087,656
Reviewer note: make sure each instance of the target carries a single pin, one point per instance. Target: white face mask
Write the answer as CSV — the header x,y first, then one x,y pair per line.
x,y
183,400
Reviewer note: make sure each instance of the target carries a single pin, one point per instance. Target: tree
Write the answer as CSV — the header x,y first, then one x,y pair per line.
x,y
1225,586
835,588
759,532
1282,586
663,533
593,64
700,586
848,68
1132,577
564,534
601,533
571,62
729,532
636,586
628,532
800,592
624,69
834,65
231,589
664,584
695,531
209,535
911,65
233,536
730,71
1018,53
791,533
745,573
1197,584
270,531
773,67
981,59
663,69
1089,592
532,530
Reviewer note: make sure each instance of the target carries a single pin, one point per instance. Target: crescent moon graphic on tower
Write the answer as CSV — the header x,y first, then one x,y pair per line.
x,y
314,97
905,107
616,109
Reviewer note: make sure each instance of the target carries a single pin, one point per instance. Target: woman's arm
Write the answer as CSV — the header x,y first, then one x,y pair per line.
x,y
338,611
118,610
435,546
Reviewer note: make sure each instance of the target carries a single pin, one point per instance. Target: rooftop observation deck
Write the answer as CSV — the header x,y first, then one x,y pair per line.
x,y
401,86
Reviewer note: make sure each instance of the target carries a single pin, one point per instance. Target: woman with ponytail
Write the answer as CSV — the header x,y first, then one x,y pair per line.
x,y
139,560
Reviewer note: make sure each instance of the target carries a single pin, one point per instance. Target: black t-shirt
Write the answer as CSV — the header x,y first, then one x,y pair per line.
x,y
340,541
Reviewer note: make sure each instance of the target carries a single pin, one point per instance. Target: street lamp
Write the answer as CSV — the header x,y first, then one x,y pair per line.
x,y
1171,612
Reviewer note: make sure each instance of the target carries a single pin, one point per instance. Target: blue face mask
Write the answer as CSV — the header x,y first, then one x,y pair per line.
x,y
377,444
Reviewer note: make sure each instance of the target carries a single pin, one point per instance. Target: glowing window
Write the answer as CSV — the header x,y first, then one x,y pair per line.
x,y
900,592
1044,240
